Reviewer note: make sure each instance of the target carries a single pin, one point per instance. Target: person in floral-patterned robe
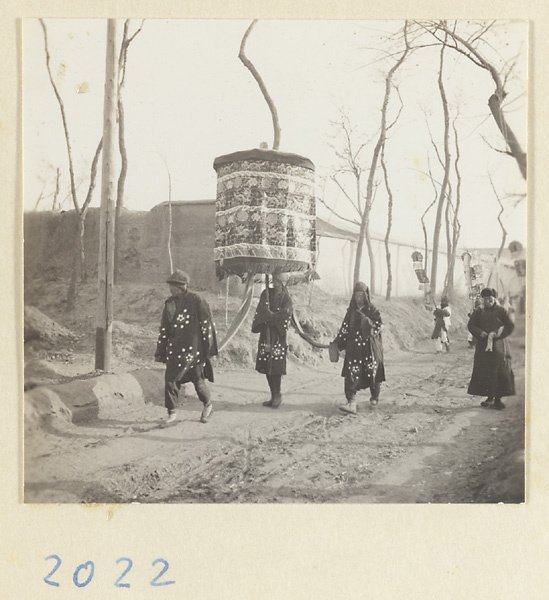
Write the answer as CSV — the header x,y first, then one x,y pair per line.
x,y
360,337
271,321
186,342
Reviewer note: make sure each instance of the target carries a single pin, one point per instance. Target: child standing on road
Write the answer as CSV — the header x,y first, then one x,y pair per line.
x,y
442,326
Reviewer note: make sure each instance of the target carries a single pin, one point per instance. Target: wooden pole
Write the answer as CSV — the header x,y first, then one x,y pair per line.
x,y
103,331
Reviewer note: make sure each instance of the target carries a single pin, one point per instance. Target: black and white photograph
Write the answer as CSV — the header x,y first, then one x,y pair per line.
x,y
274,261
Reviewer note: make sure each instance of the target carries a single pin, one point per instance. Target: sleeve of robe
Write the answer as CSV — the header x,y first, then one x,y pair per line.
x,y
281,318
508,325
162,343
207,328
341,337
474,324
263,314
370,324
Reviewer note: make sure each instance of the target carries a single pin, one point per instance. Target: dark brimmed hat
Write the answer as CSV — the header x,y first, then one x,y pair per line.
x,y
178,277
488,292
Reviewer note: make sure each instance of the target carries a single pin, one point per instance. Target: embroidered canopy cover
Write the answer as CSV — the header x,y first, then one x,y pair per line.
x,y
265,212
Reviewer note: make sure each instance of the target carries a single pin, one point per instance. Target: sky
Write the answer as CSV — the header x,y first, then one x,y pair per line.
x,y
188,99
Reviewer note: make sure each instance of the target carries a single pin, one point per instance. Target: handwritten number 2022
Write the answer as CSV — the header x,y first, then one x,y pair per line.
x,y
84,573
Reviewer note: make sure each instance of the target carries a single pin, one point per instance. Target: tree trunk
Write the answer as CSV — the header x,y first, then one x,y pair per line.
x,y
456,228
77,263
56,193
122,61
372,260
120,189
365,224
515,149
442,193
389,226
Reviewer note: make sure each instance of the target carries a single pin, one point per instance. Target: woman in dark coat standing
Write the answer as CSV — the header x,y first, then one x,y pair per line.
x,y
271,321
492,373
360,337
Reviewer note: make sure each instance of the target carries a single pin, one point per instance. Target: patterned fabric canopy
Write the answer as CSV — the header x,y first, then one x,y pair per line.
x,y
265,212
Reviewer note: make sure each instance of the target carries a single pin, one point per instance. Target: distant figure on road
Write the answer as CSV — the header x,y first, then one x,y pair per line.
x,y
442,325
186,342
271,321
492,373
360,337
470,337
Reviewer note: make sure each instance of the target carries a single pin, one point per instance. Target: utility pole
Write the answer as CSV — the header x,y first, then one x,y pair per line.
x,y
103,330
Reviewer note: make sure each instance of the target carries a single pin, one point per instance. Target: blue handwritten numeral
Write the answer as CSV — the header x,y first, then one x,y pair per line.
x,y
130,564
85,565
47,577
155,581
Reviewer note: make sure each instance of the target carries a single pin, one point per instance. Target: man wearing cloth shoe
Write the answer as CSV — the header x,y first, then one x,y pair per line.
x,y
186,343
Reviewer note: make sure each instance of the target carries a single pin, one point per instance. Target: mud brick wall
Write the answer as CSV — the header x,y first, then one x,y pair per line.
x,y
50,242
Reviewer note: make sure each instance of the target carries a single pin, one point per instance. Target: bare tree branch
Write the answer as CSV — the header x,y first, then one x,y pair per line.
x,y
338,215
247,63
337,182
503,230
63,117
496,100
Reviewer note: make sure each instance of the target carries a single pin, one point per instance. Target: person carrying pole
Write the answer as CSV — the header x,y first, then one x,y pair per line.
x,y
186,342
271,320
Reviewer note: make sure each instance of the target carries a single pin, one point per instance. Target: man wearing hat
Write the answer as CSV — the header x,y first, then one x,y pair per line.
x,y
492,373
186,342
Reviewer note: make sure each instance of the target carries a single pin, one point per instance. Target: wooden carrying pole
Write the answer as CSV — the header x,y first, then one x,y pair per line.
x,y
103,331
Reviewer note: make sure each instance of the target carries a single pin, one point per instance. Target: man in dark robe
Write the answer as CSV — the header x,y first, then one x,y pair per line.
x,y
186,343
360,337
271,321
492,372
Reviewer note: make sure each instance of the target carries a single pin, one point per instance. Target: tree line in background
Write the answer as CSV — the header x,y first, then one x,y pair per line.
x,y
362,154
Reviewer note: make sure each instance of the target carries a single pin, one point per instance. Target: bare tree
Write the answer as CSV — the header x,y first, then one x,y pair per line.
x,y
170,219
390,204
45,180
469,47
122,63
56,192
40,196
455,224
352,160
423,225
249,65
446,177
364,234
78,269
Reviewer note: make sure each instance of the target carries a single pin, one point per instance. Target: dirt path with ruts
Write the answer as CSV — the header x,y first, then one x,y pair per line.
x,y
426,441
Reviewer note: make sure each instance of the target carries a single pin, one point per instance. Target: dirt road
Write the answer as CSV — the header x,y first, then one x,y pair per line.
x,y
426,441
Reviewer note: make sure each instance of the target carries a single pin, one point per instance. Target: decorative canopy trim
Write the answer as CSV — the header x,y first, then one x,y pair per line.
x,y
244,251
269,155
